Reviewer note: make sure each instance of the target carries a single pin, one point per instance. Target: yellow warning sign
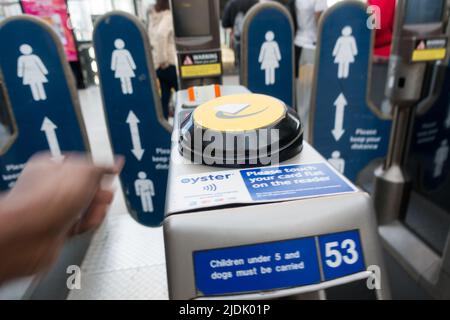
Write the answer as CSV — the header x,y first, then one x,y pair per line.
x,y
241,112
201,70
429,54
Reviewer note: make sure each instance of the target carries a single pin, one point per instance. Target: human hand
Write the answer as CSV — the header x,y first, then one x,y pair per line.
x,y
49,203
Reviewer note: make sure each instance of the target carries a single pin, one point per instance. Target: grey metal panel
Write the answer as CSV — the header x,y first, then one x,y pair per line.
x,y
186,233
393,182
424,266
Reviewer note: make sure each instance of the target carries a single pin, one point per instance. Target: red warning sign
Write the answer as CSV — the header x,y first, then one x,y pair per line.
x,y
188,61
421,45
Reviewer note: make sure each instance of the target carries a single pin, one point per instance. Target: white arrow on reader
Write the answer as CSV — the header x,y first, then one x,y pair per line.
x,y
49,129
233,108
338,130
133,121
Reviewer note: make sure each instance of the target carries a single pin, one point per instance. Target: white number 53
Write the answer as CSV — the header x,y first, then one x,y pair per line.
x,y
347,254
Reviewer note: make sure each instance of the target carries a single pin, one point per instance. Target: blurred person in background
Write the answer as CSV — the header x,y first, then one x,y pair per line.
x,y
160,30
385,17
383,36
233,18
50,203
307,15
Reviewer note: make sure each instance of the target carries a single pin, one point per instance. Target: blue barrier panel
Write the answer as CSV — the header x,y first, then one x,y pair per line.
x,y
41,94
343,127
133,113
267,52
430,148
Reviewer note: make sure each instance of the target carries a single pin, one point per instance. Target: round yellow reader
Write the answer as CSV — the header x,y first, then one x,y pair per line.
x,y
240,112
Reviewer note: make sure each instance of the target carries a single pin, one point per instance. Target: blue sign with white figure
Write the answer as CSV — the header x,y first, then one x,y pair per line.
x,y
42,95
132,110
294,181
343,128
267,266
268,52
429,155
341,254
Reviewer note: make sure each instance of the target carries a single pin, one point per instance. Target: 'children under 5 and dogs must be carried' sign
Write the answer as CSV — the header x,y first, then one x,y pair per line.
x,y
278,265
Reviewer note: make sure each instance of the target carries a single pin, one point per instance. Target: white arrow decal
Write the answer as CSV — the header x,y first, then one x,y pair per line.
x,y
49,129
338,130
133,121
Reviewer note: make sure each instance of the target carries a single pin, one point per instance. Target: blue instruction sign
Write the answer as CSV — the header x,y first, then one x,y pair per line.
x,y
278,265
343,127
268,52
294,181
42,95
266,184
133,113
258,267
342,254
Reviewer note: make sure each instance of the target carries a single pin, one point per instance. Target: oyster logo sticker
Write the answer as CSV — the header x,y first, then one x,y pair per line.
x,y
235,111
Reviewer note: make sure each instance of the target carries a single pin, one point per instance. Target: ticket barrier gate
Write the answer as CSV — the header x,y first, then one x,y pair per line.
x,y
132,107
419,44
406,184
344,124
269,232
197,40
377,82
43,114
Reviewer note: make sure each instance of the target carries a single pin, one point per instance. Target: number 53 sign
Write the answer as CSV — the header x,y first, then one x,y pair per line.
x,y
341,254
